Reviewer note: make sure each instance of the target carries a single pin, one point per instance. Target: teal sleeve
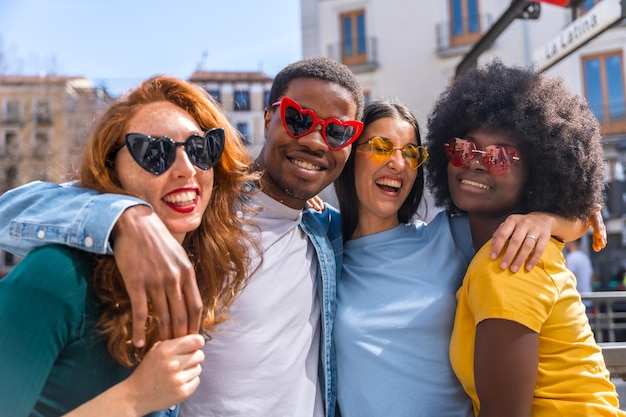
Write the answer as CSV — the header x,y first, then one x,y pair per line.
x,y
41,308
42,213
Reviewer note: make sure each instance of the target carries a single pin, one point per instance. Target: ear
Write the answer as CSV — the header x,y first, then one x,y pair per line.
x,y
267,119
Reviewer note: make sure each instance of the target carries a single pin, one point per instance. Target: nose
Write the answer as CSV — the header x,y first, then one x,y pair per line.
x,y
314,140
396,158
477,162
182,166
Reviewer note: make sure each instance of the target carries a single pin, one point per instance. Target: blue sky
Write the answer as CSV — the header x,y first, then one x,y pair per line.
x,y
125,41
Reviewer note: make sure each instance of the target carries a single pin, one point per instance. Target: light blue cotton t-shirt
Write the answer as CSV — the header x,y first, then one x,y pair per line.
x,y
396,301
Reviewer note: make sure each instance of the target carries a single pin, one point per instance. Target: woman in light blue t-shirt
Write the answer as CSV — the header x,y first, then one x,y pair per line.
x,y
396,296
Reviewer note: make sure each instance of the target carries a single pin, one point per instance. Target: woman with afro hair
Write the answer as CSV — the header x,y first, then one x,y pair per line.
x,y
503,141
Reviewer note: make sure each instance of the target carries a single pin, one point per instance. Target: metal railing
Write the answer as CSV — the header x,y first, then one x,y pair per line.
x,y
448,41
607,318
615,358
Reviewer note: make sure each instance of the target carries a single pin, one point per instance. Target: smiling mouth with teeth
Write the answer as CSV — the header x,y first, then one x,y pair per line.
x,y
307,165
475,184
389,184
181,199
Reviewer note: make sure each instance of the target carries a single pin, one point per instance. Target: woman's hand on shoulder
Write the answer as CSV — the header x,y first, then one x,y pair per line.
x,y
522,238
316,203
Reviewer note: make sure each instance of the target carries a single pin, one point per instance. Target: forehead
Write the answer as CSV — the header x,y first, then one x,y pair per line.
x,y
326,98
393,128
484,138
160,118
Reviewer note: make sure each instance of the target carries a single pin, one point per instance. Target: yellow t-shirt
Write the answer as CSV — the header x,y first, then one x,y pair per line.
x,y
572,379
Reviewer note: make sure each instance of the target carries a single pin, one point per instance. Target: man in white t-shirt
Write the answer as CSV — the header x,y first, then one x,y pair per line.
x,y
266,360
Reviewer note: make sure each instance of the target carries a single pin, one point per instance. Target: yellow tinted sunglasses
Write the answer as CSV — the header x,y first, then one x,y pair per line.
x,y
382,149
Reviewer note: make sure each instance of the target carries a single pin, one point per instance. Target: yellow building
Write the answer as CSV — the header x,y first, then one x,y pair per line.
x,y
43,126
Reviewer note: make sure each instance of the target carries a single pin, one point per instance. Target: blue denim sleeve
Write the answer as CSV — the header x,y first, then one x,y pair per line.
x,y
42,213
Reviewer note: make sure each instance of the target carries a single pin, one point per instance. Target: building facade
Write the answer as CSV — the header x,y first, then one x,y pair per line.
x,y
243,95
43,125
409,50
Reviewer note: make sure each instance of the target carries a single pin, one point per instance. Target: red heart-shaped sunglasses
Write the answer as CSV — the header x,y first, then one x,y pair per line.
x,y
299,122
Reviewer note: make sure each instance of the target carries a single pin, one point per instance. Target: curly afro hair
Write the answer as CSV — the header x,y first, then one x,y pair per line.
x,y
557,133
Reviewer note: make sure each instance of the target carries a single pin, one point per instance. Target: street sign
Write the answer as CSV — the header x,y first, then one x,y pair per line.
x,y
597,19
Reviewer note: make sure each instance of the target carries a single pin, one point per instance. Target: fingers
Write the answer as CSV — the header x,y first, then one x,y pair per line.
x,y
169,372
176,311
193,302
501,238
599,230
167,280
187,344
536,250
316,203
178,305
139,307
160,309
182,356
523,238
520,247
191,363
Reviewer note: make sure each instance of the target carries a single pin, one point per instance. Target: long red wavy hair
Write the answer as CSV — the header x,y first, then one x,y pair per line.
x,y
220,248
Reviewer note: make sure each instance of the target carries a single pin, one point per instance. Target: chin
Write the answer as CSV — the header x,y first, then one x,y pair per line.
x,y
180,230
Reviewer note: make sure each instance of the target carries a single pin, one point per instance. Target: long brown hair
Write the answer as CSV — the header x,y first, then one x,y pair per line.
x,y
345,185
219,248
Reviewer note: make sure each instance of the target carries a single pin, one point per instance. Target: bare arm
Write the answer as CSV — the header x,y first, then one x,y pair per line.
x,y
516,229
156,269
506,359
169,374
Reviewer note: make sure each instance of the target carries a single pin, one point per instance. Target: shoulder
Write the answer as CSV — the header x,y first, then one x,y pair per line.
x,y
329,219
454,229
488,271
329,214
446,220
59,256
53,268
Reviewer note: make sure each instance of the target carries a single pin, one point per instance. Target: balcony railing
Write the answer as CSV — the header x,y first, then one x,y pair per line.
x,y
43,119
450,43
12,119
358,61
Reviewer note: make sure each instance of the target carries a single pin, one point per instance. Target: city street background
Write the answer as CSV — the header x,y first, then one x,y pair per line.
x,y
119,43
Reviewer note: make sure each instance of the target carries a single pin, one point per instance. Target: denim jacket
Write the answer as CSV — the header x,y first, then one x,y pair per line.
x,y
170,412
323,229
41,213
